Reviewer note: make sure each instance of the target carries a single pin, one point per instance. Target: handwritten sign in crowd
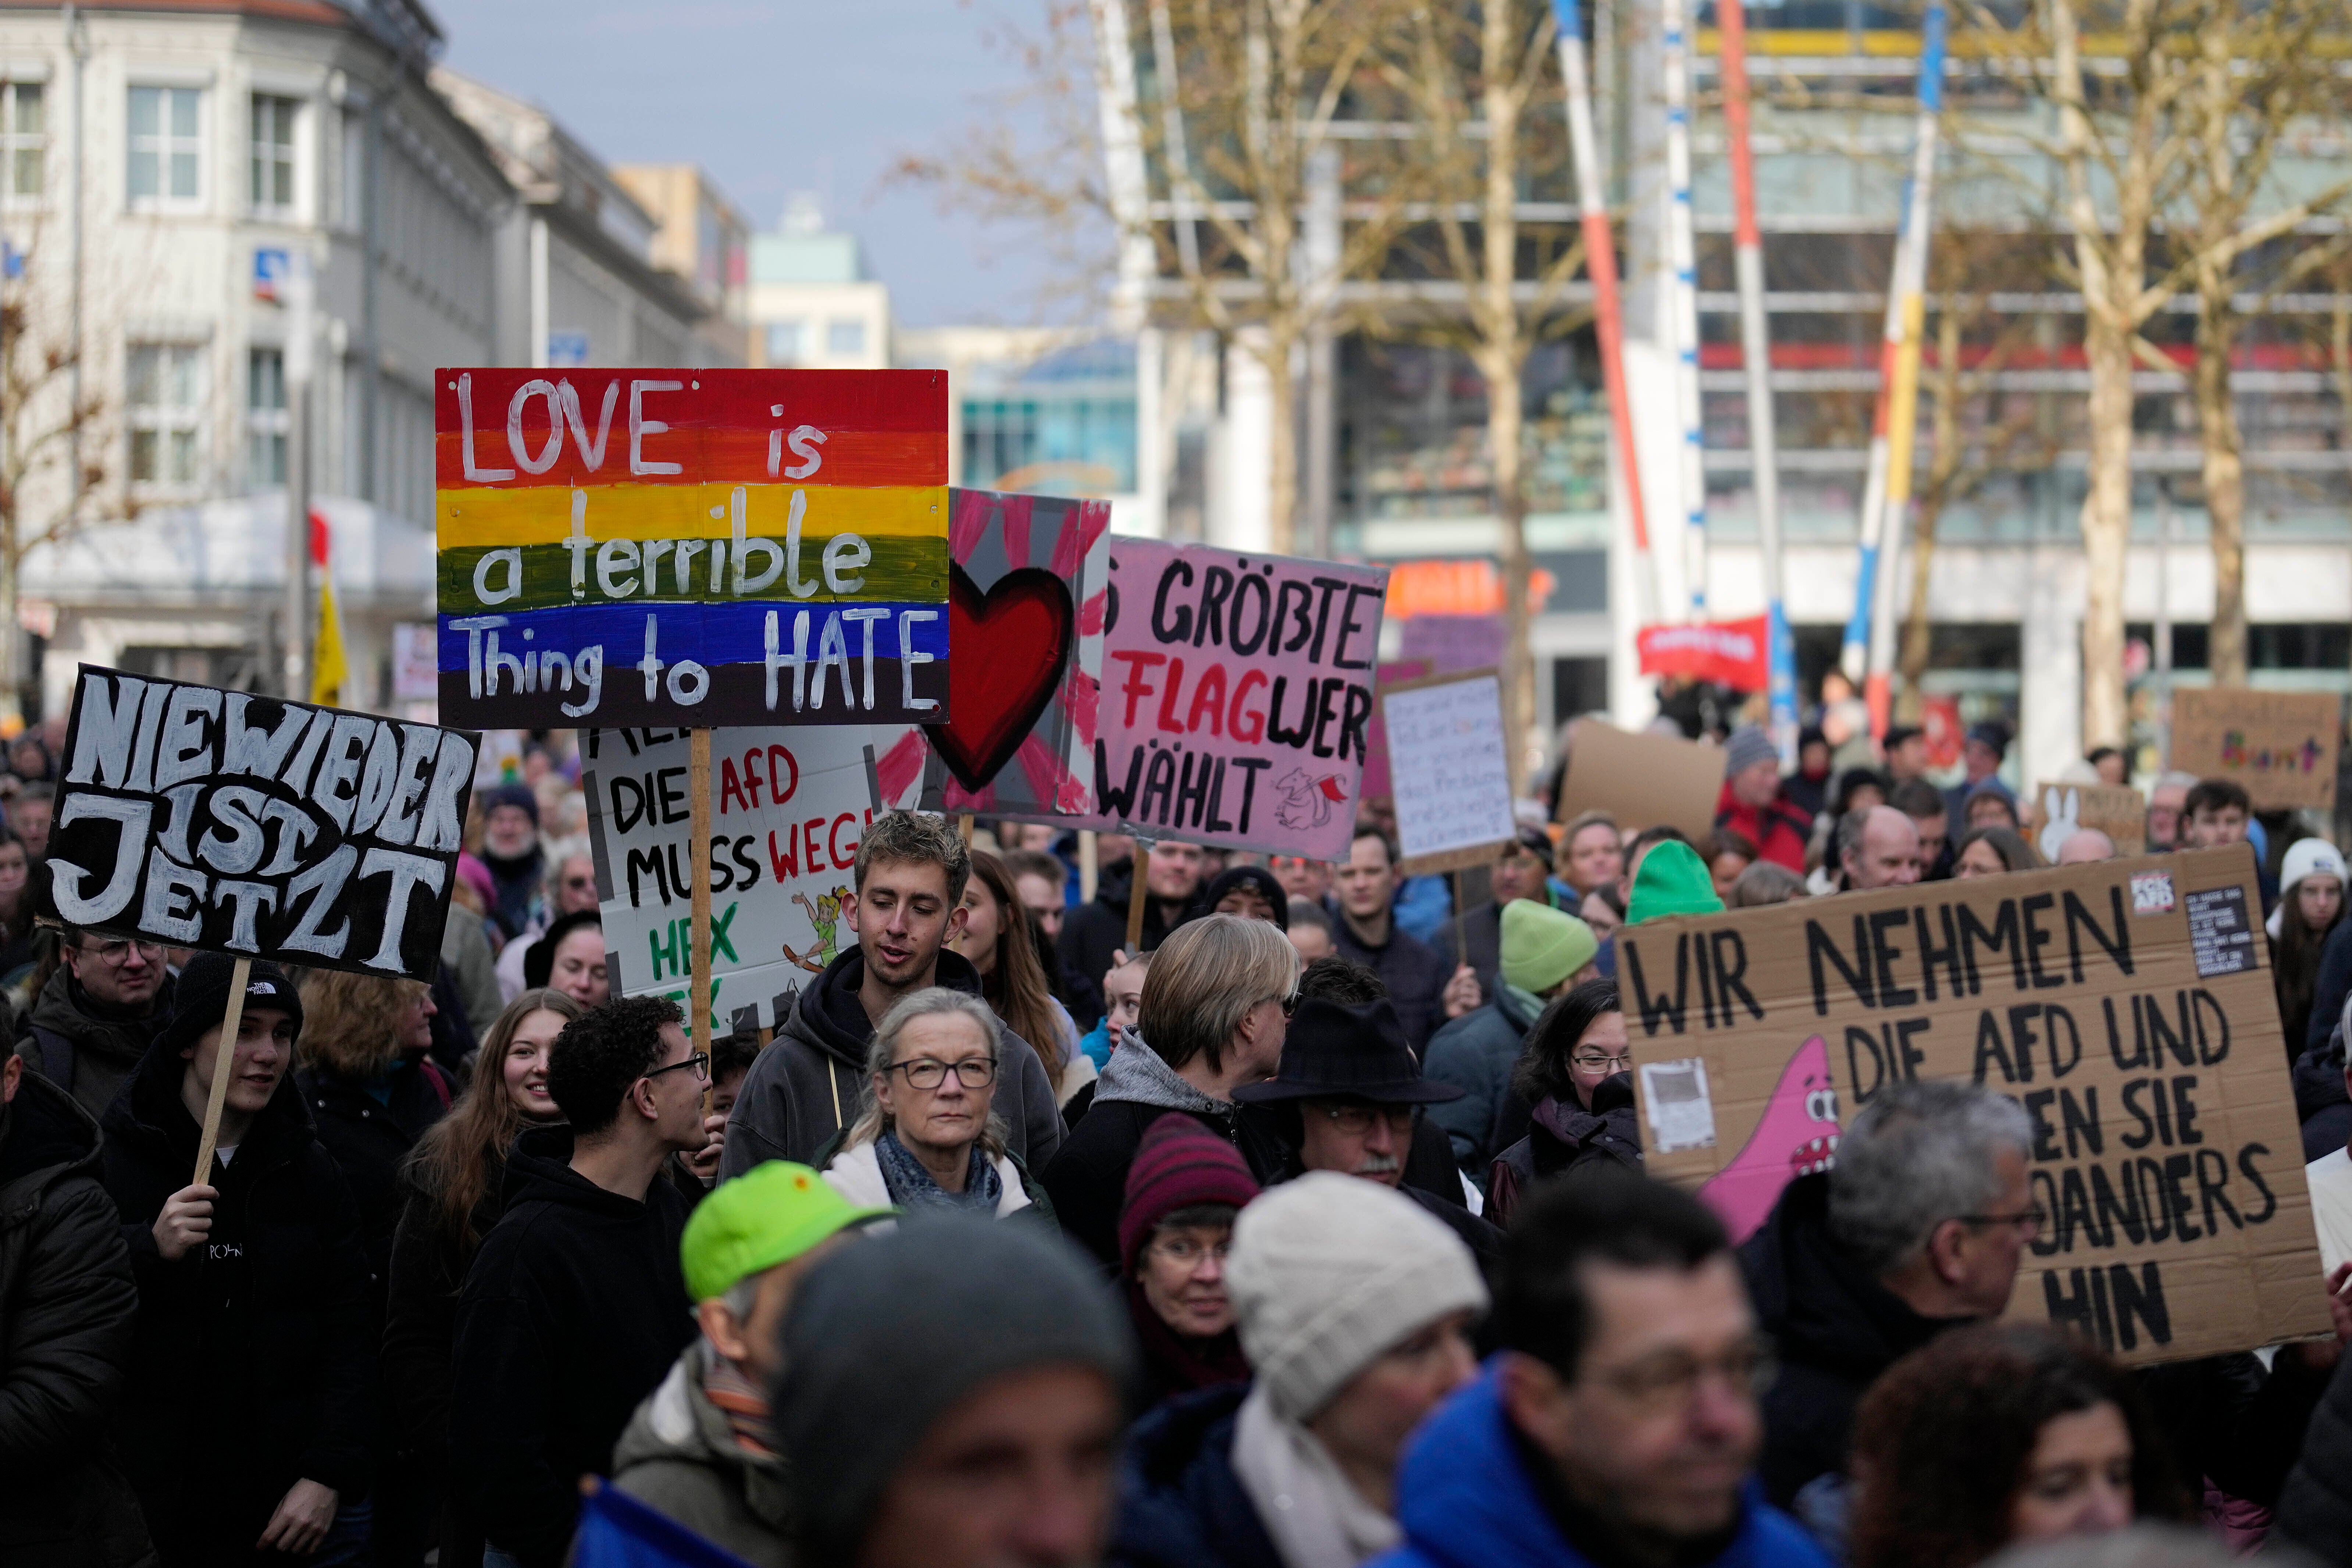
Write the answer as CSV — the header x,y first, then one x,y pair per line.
x,y
2125,1005
205,818
1450,771
788,809
691,548
2282,746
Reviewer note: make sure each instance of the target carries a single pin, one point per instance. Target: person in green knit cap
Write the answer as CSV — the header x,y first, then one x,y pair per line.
x,y
701,1449
1673,880
1543,952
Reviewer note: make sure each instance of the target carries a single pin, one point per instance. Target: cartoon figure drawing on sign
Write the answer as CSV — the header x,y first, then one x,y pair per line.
x,y
1308,802
825,916
2061,808
1797,1136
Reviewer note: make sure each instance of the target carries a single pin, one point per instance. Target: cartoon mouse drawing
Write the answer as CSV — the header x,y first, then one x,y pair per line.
x,y
1797,1136
1306,802
824,915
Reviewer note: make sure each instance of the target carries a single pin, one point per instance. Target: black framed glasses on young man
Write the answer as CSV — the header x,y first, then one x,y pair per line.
x,y
699,1061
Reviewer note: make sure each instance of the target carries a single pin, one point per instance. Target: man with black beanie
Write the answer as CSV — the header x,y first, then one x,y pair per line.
x,y
576,1305
246,1418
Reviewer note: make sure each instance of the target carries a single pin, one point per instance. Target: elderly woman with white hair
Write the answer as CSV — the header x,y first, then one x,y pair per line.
x,y
1355,1310
926,1137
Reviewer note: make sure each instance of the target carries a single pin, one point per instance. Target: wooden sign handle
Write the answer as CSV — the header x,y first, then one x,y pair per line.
x,y
1140,866
963,826
224,1064
702,1031
1460,947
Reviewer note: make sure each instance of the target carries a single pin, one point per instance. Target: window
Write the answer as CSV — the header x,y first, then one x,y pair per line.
x,y
352,198
265,421
784,342
844,336
163,405
23,139
273,153
166,148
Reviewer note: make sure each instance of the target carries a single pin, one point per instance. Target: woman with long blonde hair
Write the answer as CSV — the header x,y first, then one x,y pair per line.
x,y
452,1186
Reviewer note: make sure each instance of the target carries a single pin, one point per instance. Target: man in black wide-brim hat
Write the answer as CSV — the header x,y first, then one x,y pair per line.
x,y
1345,1099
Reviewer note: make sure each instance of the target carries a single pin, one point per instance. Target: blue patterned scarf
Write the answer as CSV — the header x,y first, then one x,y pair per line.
x,y
911,1186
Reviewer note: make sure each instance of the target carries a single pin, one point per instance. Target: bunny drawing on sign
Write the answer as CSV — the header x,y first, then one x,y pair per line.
x,y
2059,810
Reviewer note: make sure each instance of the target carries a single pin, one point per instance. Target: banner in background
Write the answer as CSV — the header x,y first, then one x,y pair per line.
x,y
698,548
789,805
1738,654
203,818
2126,1005
1029,581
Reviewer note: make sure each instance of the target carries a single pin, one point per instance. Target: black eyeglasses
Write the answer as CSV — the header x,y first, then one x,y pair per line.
x,y
699,1061
930,1072
2032,1219
1357,1120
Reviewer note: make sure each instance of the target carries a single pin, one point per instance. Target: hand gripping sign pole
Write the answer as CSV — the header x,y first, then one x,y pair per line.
x,y
224,1065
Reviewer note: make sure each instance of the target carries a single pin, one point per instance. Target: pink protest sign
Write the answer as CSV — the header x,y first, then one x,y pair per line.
x,y
1236,698
1027,587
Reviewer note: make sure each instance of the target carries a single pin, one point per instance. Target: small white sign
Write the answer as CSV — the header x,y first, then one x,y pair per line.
x,y
1681,1113
1449,771
2151,892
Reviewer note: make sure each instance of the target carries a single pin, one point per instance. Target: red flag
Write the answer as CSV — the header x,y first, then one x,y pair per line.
x,y
1736,653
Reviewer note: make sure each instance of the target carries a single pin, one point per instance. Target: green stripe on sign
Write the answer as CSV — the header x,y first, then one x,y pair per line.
x,y
898,570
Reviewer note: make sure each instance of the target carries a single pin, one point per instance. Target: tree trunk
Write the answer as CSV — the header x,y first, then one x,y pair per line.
x,y
1503,420
2225,481
2106,530
1503,345
1944,463
1281,441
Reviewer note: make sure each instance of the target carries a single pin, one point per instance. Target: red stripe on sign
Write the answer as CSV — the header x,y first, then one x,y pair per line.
x,y
528,427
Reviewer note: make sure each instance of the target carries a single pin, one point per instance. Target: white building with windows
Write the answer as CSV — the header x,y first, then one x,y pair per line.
x,y
165,170
814,304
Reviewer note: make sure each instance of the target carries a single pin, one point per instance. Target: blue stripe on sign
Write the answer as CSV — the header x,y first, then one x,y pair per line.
x,y
707,634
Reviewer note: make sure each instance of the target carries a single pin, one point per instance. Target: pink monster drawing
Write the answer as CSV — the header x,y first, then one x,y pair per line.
x,y
1797,1136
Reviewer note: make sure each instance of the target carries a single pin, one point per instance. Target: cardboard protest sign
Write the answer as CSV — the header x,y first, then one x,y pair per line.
x,y
2126,1005
684,547
1641,780
789,806
1448,757
1028,584
2284,747
2055,810
205,818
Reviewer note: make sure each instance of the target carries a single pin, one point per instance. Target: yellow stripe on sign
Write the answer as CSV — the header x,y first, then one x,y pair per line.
x,y
542,515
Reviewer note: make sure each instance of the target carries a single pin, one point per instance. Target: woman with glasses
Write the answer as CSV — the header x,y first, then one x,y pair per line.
x,y
926,1138
1577,1070
1174,1230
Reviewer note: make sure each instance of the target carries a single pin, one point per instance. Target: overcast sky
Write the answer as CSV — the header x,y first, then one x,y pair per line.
x,y
774,97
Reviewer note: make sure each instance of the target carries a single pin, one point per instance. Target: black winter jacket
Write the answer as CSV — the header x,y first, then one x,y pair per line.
x,y
1181,1505
2315,1507
255,1362
1092,932
803,1090
94,1051
1409,967
1561,1136
67,1311
370,1140
1834,1327
573,1312
420,1317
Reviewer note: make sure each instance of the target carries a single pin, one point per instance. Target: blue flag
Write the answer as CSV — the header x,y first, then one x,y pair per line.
x,y
618,1531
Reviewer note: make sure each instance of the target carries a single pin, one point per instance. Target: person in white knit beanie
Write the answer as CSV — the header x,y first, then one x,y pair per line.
x,y
1355,1310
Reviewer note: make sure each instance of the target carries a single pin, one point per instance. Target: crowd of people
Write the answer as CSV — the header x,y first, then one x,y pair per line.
x,y
1310,1229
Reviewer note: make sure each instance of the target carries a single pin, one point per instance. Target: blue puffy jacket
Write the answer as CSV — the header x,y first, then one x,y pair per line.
x,y
1179,1503
1466,1500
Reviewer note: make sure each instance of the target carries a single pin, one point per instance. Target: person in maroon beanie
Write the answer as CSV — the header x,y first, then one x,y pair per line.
x,y
1182,1192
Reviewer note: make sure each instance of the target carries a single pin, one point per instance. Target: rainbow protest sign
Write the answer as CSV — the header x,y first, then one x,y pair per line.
x,y
691,548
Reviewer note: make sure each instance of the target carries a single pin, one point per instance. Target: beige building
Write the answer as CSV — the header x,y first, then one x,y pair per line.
x,y
812,301
703,238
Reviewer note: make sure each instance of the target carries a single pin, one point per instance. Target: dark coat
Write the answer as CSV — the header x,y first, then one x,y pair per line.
x,y
1834,1329
1562,1136
1409,967
1092,932
420,1320
1476,1053
254,1361
2333,984
67,1311
370,1141
573,1312
803,1090
82,1047
1179,1503
2315,1507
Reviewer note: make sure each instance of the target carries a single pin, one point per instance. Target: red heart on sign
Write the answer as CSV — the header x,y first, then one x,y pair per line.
x,y
1008,648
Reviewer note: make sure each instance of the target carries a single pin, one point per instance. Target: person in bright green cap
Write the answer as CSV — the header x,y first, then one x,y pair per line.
x,y
1673,880
699,1448
1543,953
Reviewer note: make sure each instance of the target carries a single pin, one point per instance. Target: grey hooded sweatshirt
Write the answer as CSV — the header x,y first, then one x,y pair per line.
x,y
678,1456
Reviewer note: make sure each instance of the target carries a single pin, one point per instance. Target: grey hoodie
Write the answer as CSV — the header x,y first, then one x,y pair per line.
x,y
678,1456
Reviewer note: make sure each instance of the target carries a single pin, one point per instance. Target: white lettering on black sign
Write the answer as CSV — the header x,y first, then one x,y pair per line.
x,y
248,825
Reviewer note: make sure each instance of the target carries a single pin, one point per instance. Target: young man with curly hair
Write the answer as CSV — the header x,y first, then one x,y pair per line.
x,y
576,1307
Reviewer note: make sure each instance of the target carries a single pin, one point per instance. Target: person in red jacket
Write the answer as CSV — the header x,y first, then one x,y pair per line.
x,y
1753,806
